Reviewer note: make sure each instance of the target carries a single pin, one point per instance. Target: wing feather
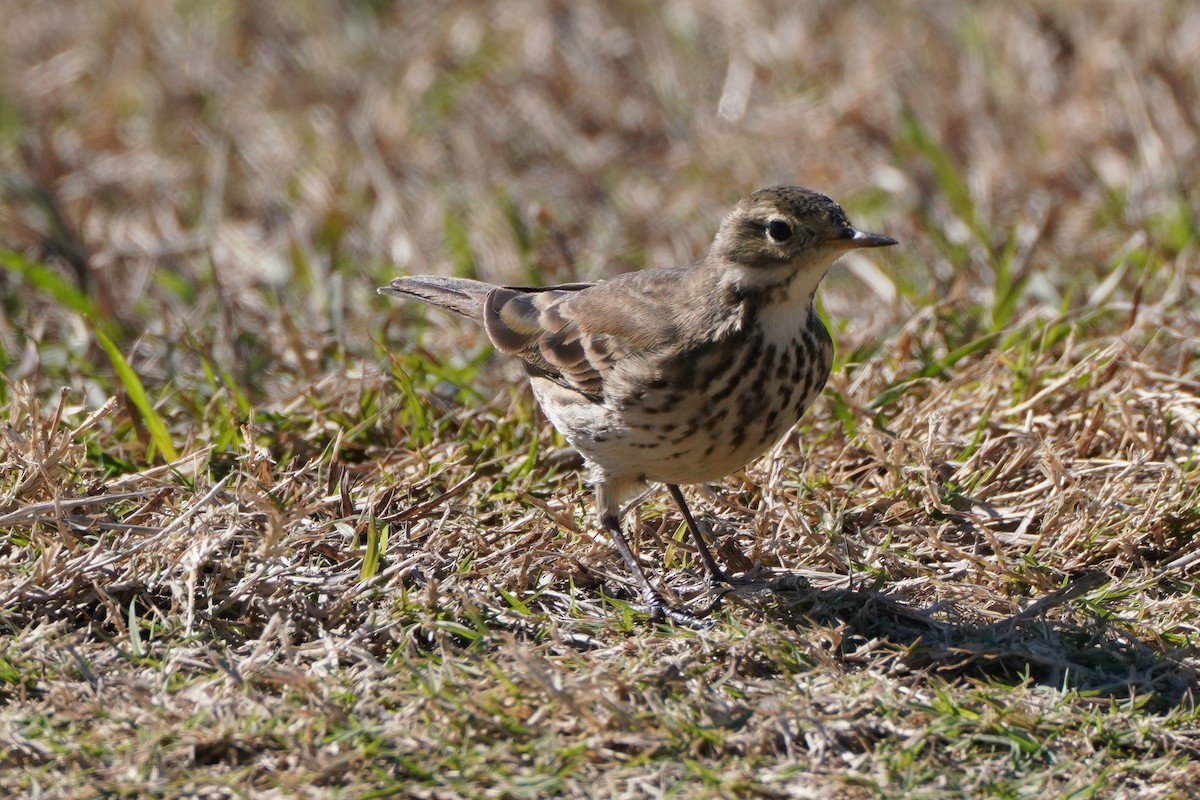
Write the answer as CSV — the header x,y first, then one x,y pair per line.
x,y
577,334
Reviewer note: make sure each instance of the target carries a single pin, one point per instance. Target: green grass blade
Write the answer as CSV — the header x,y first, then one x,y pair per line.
x,y
377,538
137,393
46,280
938,368
947,174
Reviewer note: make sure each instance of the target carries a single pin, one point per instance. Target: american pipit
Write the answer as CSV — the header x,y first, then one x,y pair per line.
x,y
675,375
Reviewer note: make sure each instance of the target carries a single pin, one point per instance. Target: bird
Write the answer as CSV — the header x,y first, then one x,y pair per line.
x,y
674,375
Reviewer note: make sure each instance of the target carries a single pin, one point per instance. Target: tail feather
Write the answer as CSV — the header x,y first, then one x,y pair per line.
x,y
462,296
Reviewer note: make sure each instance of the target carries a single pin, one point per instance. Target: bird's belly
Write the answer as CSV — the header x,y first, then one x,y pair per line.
x,y
700,431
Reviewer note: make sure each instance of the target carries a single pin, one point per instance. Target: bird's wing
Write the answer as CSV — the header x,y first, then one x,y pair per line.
x,y
576,334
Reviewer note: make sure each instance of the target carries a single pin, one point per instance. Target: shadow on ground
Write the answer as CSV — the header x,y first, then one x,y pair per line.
x,y
1086,653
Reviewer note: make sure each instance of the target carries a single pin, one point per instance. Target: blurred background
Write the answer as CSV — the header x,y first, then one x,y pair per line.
x,y
237,178
371,567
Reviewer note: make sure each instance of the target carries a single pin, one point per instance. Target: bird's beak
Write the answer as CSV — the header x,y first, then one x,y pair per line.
x,y
852,239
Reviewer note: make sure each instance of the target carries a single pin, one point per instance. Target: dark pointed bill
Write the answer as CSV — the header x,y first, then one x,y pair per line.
x,y
856,238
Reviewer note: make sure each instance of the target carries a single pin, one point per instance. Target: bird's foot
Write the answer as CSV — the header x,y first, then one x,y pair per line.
x,y
658,609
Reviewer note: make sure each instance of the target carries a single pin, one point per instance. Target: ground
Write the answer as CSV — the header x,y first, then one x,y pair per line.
x,y
265,533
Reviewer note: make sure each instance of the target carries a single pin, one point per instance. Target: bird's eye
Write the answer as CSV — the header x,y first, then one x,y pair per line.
x,y
779,230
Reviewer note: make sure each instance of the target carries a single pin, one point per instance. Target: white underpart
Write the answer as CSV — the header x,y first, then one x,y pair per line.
x,y
784,318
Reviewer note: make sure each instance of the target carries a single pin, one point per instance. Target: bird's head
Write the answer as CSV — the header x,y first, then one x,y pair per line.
x,y
785,236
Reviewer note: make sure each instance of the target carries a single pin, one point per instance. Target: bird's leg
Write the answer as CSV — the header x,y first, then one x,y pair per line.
x,y
715,573
656,606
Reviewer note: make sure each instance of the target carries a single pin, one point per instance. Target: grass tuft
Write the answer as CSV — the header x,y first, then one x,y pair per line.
x,y
264,532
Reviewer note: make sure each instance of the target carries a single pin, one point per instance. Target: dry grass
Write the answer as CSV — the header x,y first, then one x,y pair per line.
x,y
369,569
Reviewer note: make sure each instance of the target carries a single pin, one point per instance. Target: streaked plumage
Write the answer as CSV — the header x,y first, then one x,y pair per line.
x,y
675,375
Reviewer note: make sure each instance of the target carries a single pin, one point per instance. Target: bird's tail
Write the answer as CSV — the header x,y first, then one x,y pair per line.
x,y
462,296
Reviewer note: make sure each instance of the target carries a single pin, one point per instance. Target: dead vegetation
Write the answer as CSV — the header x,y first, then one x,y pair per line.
x,y
263,533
